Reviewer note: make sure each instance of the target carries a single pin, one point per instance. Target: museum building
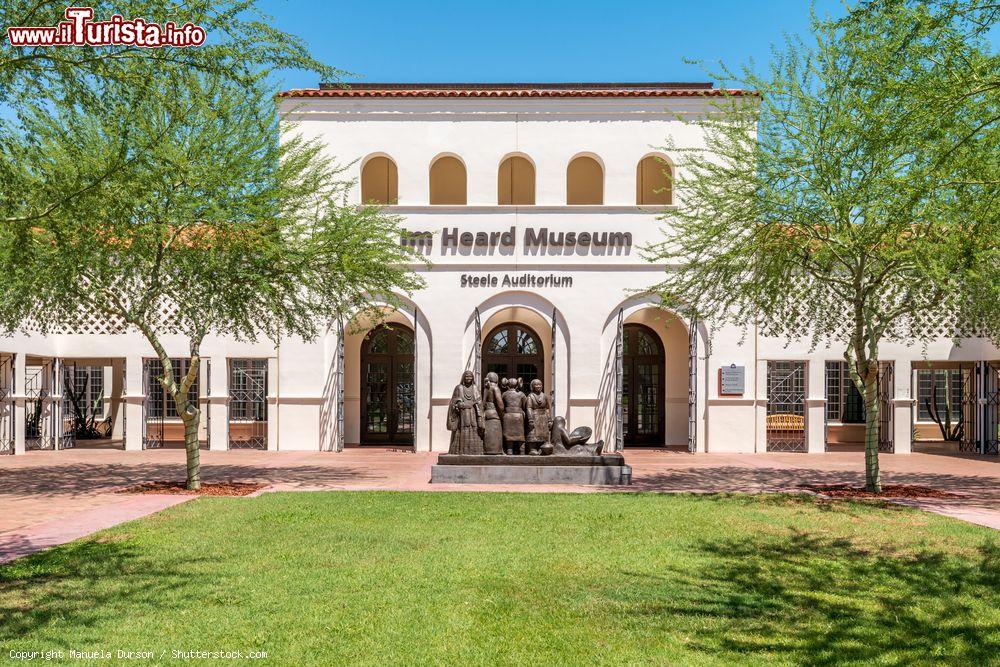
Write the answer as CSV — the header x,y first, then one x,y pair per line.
x,y
532,204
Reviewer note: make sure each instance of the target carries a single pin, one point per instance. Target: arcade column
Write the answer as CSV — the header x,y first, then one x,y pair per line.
x,y
134,399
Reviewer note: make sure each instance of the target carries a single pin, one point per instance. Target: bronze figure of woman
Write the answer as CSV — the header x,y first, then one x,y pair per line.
x,y
492,416
539,418
465,417
515,403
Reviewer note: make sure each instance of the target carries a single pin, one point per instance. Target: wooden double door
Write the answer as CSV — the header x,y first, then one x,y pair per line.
x,y
643,366
388,396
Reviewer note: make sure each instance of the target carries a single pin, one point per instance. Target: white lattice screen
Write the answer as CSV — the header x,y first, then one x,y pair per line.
x,y
92,322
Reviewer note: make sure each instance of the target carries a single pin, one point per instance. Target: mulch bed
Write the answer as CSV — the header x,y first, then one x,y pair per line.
x,y
888,491
207,488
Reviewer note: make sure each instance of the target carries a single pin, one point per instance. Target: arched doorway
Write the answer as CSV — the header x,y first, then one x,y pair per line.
x,y
643,386
513,350
387,386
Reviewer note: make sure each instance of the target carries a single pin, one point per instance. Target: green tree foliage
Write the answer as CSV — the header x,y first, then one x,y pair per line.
x,y
853,199
213,226
241,47
149,186
242,44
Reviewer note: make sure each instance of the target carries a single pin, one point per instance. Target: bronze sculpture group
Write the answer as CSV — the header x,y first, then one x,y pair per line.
x,y
501,419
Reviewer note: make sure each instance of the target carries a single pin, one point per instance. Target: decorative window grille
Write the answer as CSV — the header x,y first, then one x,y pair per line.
x,y
884,396
339,445
693,385
619,385
964,395
991,408
152,406
248,403
38,429
6,404
786,393
846,405
159,406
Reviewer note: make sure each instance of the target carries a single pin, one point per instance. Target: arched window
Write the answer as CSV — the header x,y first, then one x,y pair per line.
x,y
513,350
584,181
652,182
516,182
379,181
448,181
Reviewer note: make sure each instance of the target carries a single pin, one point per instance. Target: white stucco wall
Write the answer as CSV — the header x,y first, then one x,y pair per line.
x,y
619,132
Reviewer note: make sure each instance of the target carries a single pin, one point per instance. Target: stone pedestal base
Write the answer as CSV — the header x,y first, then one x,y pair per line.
x,y
609,469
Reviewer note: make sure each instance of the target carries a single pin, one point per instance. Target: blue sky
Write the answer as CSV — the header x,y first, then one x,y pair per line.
x,y
519,40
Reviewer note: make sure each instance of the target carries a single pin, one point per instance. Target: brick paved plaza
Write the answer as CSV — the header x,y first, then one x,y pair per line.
x,y
52,497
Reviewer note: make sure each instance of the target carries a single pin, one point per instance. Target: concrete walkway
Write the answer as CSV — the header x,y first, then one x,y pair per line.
x,y
48,498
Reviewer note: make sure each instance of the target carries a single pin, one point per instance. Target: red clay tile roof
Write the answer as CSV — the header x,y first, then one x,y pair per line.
x,y
513,90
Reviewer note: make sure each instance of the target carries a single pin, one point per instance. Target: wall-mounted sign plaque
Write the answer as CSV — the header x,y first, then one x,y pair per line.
x,y
732,380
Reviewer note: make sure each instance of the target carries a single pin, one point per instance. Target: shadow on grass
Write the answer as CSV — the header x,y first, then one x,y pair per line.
x,y
86,584
798,597
819,600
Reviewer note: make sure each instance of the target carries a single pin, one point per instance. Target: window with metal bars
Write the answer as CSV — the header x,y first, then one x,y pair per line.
x,y
87,384
161,404
844,403
248,389
949,385
786,388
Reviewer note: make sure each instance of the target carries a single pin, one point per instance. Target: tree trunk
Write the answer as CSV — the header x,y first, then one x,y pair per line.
x,y
190,414
191,417
188,409
873,480
862,364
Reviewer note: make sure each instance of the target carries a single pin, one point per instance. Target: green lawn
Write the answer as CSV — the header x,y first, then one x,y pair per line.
x,y
449,578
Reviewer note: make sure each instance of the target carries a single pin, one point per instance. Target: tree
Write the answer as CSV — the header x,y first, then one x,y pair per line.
x,y
242,47
843,202
242,44
215,226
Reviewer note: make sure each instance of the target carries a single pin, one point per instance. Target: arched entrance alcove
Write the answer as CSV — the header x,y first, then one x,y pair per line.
x,y
383,381
531,324
526,320
656,374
